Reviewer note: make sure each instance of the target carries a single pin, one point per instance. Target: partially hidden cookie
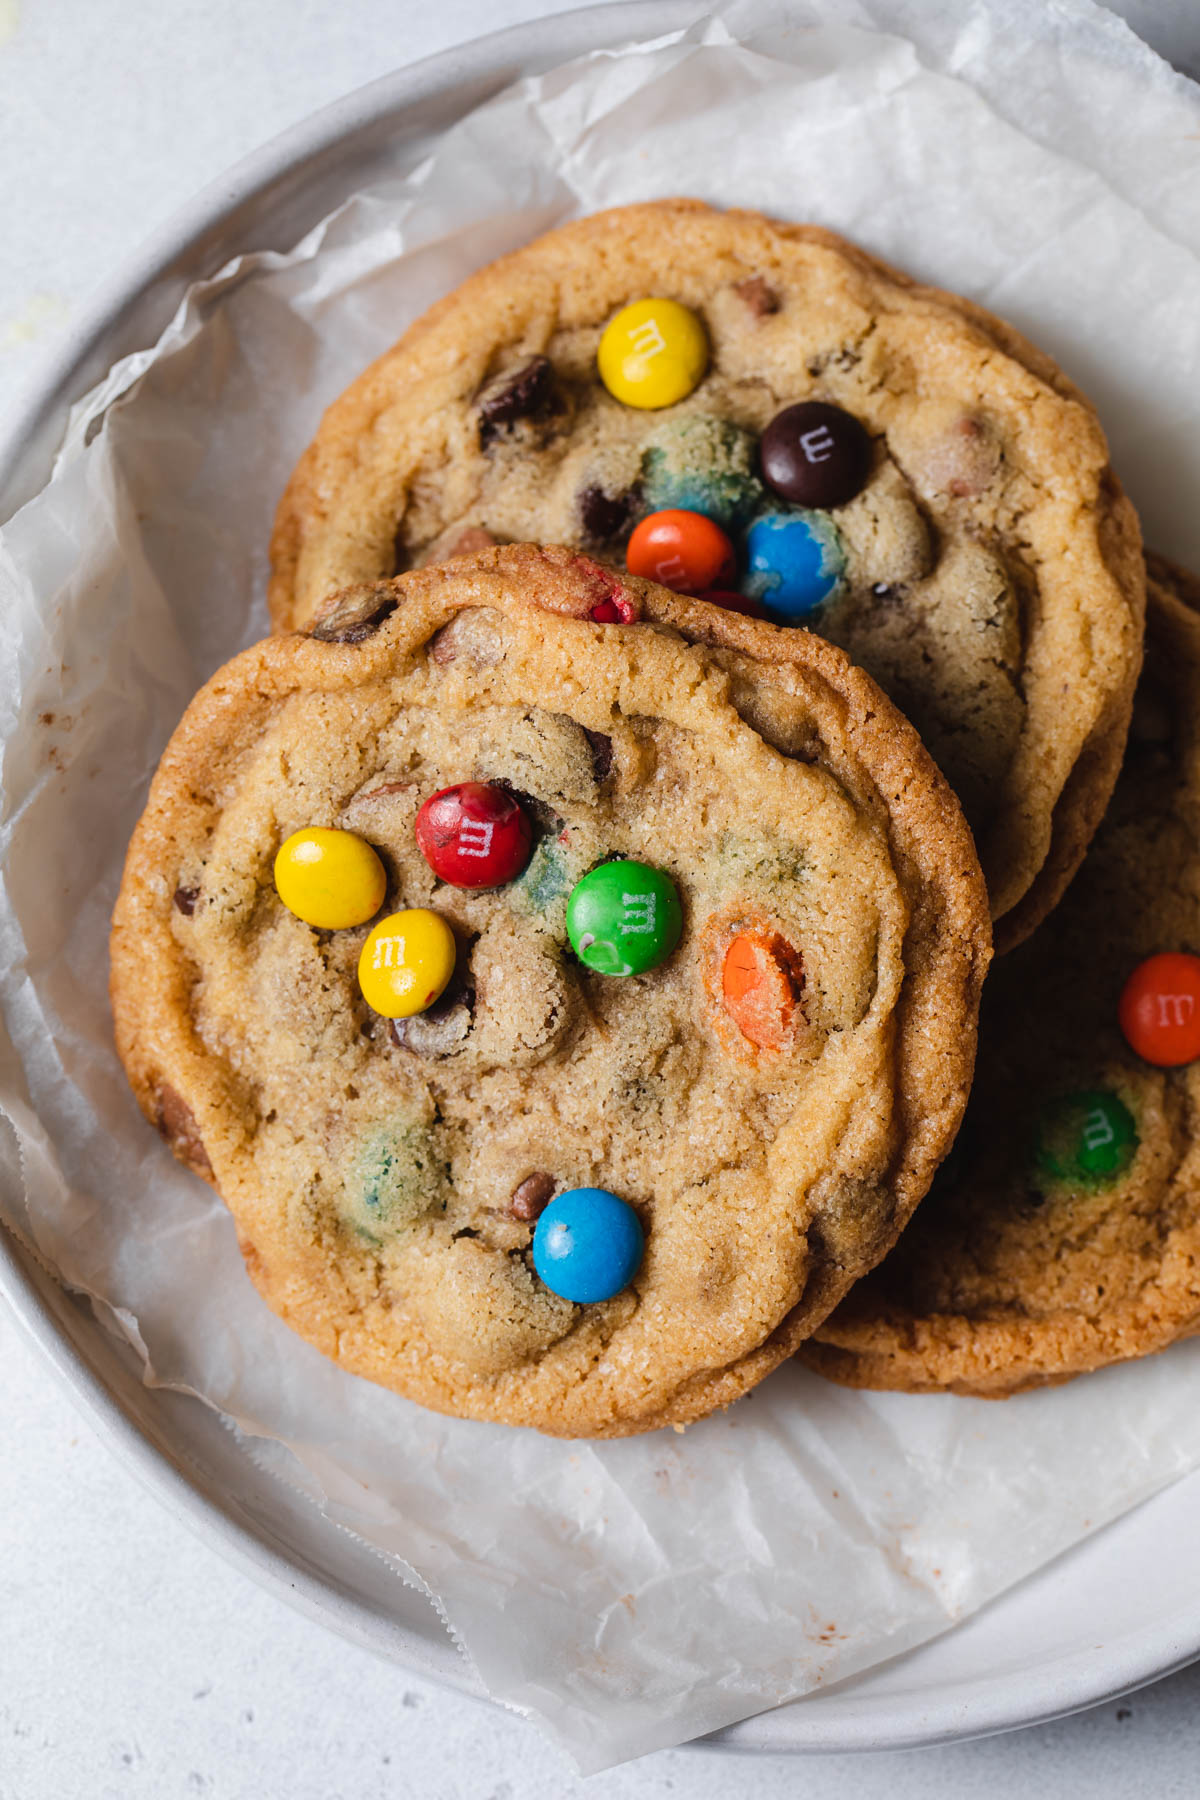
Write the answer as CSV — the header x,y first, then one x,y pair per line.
x,y
882,462
729,979
1064,1231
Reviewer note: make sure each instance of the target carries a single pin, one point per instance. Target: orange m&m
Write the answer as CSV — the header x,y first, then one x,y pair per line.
x,y
761,979
1159,1009
682,550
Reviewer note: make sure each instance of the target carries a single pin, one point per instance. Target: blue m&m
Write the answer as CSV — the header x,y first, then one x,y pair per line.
x,y
703,465
588,1245
794,562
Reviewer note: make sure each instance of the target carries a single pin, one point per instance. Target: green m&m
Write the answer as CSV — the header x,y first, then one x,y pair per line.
x,y
1085,1138
624,918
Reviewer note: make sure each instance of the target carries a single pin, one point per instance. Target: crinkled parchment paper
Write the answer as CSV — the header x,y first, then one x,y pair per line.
x,y
628,1595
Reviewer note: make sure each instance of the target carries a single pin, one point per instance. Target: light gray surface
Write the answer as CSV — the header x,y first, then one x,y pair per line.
x,y
113,1617
134,1663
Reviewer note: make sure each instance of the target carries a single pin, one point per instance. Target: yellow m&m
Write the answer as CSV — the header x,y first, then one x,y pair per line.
x,y
653,353
406,962
331,879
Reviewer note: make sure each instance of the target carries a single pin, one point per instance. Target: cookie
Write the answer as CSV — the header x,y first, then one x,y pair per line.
x,y
761,409
584,1126
1064,1231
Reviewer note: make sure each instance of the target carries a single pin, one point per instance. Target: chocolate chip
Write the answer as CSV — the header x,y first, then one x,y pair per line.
x,y
758,295
443,1027
185,900
602,516
526,392
177,1123
533,1195
601,746
815,454
351,616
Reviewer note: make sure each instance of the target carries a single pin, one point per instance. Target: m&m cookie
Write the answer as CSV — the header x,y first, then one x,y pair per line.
x,y
569,985
763,413
1065,1234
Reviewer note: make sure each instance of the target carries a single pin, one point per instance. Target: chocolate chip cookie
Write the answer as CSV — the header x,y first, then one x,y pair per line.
x,y
765,414
570,987
1064,1230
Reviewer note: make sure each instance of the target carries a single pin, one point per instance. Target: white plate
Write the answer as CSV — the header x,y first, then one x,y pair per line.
x,y
1118,1611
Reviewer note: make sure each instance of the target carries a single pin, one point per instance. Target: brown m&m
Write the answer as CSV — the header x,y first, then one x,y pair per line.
x,y
815,455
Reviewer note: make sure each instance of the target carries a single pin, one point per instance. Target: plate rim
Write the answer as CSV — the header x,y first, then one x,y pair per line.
x,y
155,274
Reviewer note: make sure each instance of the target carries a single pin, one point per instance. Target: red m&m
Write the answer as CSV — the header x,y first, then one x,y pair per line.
x,y
682,550
1160,1009
474,835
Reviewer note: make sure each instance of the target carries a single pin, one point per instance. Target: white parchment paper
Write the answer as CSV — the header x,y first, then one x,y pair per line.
x,y
627,1595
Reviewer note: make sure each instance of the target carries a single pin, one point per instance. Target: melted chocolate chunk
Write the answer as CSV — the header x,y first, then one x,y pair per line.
x,y
758,295
353,616
602,516
185,900
601,746
526,392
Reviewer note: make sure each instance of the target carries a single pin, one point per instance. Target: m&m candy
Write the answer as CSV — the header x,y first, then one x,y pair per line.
x,y
1085,1138
702,464
682,550
624,918
406,962
815,454
588,1245
761,979
794,562
1159,1009
330,879
474,835
653,353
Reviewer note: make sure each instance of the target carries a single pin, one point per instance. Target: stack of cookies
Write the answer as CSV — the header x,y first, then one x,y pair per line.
x,y
561,944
